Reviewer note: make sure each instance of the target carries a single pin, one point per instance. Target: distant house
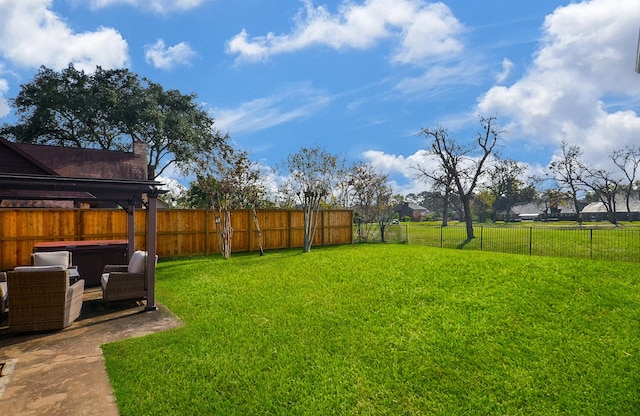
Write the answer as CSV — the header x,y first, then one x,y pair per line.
x,y
524,212
532,211
596,211
31,159
414,211
565,210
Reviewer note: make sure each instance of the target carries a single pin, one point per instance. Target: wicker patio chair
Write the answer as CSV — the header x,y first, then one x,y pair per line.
x,y
126,281
41,299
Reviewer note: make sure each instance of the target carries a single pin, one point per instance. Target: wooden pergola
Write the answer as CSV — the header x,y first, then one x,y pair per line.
x,y
128,194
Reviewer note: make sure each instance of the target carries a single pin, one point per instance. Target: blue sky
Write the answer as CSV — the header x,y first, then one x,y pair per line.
x,y
359,77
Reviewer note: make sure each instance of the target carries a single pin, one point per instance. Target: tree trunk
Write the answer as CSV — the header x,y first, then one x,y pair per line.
x,y
227,234
307,229
257,223
224,232
310,220
613,219
576,205
468,218
445,208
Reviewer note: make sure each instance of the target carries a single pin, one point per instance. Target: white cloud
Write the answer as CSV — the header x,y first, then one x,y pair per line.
x,y
425,31
4,105
587,56
175,189
32,35
401,170
439,79
172,185
157,6
507,66
160,56
431,32
266,112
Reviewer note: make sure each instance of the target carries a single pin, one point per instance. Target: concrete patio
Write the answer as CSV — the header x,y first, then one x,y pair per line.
x,y
63,372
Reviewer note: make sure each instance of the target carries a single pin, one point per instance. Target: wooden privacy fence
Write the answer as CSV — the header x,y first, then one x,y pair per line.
x,y
180,232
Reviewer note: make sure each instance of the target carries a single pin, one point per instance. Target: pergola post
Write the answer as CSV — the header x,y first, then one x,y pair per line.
x,y
131,229
152,211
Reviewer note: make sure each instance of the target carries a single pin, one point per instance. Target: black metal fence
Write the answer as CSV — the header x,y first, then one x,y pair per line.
x,y
578,242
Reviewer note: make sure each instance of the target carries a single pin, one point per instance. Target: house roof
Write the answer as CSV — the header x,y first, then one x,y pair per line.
x,y
79,162
527,209
532,208
37,172
566,206
621,206
413,206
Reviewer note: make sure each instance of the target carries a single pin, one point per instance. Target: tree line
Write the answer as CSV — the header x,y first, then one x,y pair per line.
x,y
502,183
113,109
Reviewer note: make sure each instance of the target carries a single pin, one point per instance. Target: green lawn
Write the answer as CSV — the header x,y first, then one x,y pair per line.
x,y
600,241
387,330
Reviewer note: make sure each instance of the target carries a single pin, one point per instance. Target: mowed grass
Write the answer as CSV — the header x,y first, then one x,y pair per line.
x,y
387,330
600,241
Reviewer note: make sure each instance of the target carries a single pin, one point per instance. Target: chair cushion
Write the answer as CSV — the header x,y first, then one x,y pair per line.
x,y
51,258
137,262
104,279
4,294
39,269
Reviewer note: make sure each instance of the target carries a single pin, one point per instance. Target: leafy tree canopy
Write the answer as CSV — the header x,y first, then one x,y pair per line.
x,y
111,109
314,174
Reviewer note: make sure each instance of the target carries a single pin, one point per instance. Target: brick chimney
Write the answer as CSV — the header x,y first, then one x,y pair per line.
x,y
140,151
140,148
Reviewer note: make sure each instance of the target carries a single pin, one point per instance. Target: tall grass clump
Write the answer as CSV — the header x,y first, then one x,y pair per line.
x,y
387,330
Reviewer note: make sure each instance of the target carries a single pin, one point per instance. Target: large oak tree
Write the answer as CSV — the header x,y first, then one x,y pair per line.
x,y
111,109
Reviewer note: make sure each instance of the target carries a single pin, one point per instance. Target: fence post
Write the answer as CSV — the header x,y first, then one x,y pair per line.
x,y
207,224
290,228
591,243
322,225
249,231
481,236
79,224
441,236
530,240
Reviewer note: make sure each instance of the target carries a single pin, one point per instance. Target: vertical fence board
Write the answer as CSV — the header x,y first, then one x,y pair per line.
x,y
275,229
103,224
